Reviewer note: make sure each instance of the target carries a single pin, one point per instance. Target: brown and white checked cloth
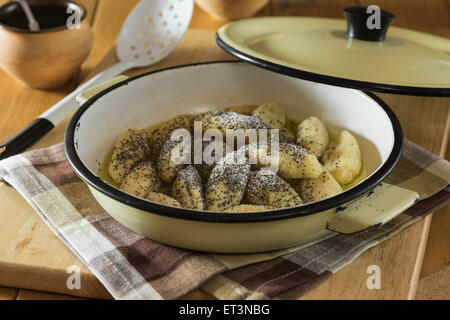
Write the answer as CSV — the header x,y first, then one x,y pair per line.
x,y
133,267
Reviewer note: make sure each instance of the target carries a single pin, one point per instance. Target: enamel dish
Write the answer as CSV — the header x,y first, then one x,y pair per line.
x,y
158,96
310,66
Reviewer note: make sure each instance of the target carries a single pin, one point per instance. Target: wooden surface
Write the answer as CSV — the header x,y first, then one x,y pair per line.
x,y
231,9
8,293
435,286
437,253
31,256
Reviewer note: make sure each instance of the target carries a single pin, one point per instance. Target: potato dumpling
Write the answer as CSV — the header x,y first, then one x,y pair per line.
x,y
342,158
312,190
233,125
272,114
209,149
131,148
204,170
188,189
204,116
141,180
286,136
313,135
174,156
226,185
267,189
224,121
233,121
162,134
163,199
244,109
293,161
298,163
248,208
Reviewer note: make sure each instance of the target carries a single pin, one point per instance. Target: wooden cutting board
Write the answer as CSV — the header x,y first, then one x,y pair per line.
x,y
32,257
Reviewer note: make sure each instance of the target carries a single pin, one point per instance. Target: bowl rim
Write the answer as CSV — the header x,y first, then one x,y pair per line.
x,y
43,31
220,217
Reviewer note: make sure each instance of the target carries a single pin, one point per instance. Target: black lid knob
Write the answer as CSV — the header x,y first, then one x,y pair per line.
x,y
368,23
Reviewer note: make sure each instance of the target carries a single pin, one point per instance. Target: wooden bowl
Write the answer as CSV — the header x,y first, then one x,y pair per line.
x,y
231,9
50,57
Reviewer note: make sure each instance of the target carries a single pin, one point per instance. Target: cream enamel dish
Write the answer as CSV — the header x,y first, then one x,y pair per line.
x,y
155,97
321,50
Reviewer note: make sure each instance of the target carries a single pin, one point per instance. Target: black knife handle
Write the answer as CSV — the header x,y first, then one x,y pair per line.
x,y
25,138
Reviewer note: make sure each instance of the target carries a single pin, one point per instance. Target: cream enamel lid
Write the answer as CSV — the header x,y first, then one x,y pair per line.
x,y
318,49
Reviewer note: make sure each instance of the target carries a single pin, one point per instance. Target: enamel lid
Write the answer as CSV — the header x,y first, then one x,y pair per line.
x,y
341,53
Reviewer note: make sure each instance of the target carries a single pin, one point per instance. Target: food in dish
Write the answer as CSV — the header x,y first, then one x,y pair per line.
x,y
265,188
163,199
301,164
167,162
227,183
161,135
272,114
131,148
343,158
141,180
313,135
188,189
293,162
312,190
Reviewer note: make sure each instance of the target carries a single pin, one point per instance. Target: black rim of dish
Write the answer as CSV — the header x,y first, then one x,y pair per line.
x,y
49,30
331,80
219,217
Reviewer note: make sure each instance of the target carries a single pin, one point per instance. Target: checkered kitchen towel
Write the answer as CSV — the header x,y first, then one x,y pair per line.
x,y
133,267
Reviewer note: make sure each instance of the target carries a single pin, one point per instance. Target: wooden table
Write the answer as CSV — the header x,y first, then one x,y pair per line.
x,y
31,257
